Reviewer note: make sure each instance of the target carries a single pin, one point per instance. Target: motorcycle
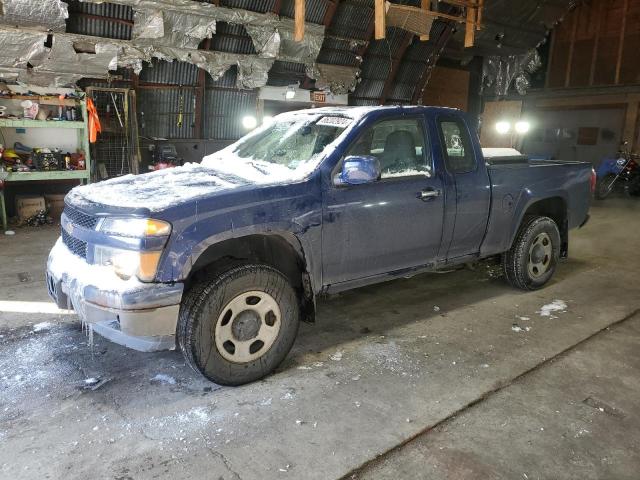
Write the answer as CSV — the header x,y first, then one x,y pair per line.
x,y
614,172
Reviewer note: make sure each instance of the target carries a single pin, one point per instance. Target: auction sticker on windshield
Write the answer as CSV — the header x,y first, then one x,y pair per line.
x,y
334,121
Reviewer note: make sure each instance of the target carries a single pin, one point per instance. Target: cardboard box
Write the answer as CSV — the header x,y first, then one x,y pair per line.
x,y
29,205
55,204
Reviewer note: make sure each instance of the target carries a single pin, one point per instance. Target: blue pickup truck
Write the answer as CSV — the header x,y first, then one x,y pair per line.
x,y
223,259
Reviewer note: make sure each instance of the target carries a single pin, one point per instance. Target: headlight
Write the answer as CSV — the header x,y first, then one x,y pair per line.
x,y
135,227
127,263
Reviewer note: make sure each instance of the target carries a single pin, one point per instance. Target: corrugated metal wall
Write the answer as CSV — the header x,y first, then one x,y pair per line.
x,y
225,109
161,108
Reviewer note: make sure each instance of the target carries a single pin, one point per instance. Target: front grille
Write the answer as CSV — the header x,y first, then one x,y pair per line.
x,y
78,247
80,219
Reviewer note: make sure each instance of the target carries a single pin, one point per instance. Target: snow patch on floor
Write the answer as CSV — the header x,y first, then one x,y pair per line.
x,y
42,326
164,379
558,306
336,357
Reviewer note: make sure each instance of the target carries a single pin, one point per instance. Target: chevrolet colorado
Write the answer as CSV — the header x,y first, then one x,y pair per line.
x,y
224,258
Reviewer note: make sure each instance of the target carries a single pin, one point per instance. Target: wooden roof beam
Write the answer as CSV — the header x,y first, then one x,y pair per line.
x,y
395,66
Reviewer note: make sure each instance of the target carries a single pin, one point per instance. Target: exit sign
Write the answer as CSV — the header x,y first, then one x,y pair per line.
x,y
318,97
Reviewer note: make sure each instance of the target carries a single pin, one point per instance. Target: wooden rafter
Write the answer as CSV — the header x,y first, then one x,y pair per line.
x,y
395,66
277,6
380,16
332,6
623,29
426,6
299,16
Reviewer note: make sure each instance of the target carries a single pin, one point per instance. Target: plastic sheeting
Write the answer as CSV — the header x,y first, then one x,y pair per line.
x,y
167,30
305,51
17,50
499,74
172,29
338,79
63,65
265,40
186,23
46,14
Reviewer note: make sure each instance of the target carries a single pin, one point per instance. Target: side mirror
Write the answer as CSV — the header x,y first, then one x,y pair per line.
x,y
357,170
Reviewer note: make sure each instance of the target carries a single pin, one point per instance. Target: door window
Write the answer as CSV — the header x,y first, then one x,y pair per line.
x,y
458,152
398,144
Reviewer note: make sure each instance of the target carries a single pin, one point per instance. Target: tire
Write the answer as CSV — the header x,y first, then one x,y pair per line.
x,y
533,257
602,187
223,320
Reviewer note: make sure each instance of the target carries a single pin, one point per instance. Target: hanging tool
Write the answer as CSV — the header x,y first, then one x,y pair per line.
x,y
113,99
180,108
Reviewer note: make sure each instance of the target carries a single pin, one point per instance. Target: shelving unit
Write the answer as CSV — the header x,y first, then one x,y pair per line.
x,y
53,175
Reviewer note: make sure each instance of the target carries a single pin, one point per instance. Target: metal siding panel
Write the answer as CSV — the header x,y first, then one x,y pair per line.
x,y
369,88
171,73
375,68
352,21
402,91
228,80
112,10
362,102
232,39
261,6
161,108
339,52
224,110
98,28
390,46
315,10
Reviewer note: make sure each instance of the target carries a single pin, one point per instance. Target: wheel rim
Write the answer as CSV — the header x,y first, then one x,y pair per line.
x,y
606,187
540,255
247,326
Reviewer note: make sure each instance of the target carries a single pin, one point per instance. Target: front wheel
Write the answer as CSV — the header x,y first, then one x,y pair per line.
x,y
533,257
238,327
605,186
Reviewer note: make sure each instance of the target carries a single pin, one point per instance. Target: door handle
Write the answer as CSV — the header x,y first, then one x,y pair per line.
x,y
428,194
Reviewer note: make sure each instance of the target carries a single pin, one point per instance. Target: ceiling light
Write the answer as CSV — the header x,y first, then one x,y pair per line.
x,y
249,122
523,127
503,127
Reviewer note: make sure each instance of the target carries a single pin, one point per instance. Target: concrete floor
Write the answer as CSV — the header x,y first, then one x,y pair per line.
x,y
440,376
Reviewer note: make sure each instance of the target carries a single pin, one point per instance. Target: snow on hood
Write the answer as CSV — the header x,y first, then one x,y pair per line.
x,y
157,190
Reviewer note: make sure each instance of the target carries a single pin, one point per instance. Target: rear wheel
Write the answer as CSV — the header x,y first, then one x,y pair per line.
x,y
533,257
605,186
238,327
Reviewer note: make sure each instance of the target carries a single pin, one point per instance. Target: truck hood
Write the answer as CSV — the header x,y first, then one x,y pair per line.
x,y
157,190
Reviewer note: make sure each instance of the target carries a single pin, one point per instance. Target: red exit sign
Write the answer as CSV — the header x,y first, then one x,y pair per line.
x,y
318,97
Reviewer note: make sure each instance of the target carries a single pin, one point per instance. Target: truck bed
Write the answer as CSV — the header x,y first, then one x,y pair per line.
x,y
518,183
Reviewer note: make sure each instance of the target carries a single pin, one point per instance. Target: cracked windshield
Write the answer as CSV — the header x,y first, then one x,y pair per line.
x,y
292,142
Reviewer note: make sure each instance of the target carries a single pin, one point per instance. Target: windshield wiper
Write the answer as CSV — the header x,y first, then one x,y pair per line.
x,y
261,170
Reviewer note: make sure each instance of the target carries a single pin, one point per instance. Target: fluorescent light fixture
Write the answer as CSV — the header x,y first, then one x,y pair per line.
x,y
249,122
290,93
523,127
503,127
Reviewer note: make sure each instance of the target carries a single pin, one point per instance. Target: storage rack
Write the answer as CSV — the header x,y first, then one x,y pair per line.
x,y
53,175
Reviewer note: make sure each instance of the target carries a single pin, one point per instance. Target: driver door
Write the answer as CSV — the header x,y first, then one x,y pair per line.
x,y
387,225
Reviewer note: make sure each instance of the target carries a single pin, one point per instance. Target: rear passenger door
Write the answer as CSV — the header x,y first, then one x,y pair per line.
x,y
472,187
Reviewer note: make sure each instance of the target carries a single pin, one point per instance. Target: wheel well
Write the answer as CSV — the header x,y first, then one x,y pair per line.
x,y
556,209
284,254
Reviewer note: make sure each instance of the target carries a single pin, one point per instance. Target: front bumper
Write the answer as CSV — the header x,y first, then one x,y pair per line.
x,y
142,316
